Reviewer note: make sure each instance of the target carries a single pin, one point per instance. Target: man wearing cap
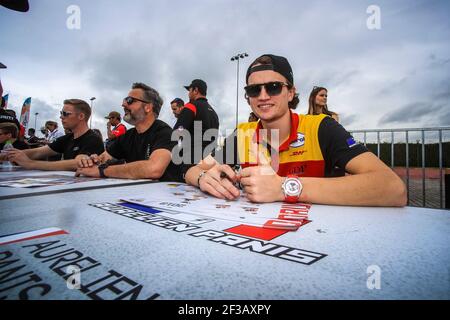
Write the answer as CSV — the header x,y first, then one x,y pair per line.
x,y
118,128
143,152
196,118
53,131
290,157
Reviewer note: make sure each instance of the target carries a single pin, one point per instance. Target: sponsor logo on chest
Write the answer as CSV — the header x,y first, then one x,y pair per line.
x,y
300,141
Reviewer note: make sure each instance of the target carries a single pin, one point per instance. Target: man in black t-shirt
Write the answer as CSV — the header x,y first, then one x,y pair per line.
x,y
196,118
86,144
81,141
143,151
290,157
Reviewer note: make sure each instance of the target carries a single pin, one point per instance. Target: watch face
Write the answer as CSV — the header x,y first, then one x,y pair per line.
x,y
292,187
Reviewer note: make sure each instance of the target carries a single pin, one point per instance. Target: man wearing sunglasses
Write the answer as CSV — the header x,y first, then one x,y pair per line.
x,y
290,157
143,152
82,141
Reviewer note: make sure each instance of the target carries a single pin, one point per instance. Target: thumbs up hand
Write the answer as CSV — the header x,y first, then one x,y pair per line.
x,y
261,183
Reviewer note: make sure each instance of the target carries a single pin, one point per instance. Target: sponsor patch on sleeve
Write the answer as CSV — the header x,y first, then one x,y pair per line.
x,y
351,142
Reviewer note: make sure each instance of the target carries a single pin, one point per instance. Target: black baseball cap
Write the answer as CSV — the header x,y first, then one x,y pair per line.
x,y
17,5
113,114
278,64
2,66
198,83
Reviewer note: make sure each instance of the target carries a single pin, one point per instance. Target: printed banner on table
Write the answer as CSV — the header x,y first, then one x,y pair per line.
x,y
190,200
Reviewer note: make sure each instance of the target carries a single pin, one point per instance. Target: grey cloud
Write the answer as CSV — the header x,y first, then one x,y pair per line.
x,y
46,112
341,78
347,120
440,118
443,95
438,63
112,69
394,86
431,113
330,78
411,111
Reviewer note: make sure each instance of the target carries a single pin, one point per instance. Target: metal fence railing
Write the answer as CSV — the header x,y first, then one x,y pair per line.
x,y
407,136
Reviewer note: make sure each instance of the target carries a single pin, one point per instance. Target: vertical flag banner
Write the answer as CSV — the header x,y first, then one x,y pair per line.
x,y
25,113
5,98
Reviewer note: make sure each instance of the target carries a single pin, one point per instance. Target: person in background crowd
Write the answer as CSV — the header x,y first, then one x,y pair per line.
x,y
176,105
44,131
197,113
33,141
117,129
318,103
53,131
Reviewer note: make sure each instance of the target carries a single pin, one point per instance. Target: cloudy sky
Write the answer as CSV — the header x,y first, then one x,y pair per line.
x,y
396,76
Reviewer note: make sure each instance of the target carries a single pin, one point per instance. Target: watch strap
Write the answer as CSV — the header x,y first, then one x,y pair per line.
x,y
101,170
289,198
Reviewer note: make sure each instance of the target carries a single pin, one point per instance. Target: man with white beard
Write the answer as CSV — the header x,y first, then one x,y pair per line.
x,y
143,152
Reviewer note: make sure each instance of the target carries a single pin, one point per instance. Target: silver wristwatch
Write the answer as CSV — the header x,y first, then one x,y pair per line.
x,y
292,189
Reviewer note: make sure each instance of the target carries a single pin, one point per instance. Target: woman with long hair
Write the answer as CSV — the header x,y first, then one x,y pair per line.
x,y
318,103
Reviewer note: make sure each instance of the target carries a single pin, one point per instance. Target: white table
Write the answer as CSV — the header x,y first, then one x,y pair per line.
x,y
82,183
157,257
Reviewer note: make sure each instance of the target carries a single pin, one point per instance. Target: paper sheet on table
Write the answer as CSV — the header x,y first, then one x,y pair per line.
x,y
177,197
40,181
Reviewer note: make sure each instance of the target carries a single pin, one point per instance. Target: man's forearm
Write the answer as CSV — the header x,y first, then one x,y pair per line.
x,y
380,188
134,170
63,165
39,153
33,154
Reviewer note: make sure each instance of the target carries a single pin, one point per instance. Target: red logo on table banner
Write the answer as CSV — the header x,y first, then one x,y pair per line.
x,y
290,218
